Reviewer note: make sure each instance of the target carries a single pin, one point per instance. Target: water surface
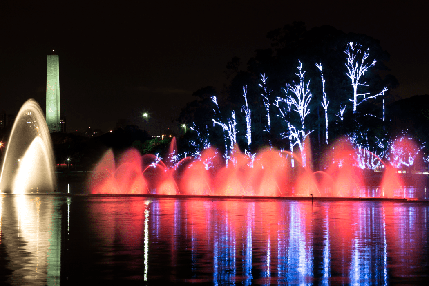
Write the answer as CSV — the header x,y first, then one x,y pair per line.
x,y
50,239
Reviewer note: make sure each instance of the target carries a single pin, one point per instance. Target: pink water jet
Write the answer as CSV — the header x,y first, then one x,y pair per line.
x,y
126,177
271,173
346,176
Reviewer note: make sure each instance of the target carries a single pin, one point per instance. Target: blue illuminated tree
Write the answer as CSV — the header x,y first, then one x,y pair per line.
x,y
266,100
245,108
349,60
298,97
229,129
325,102
357,64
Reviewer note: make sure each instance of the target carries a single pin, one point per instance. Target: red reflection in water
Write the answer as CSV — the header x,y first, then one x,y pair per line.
x,y
405,238
268,242
342,230
121,220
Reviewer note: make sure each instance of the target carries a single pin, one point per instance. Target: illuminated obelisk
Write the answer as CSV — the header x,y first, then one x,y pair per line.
x,y
53,94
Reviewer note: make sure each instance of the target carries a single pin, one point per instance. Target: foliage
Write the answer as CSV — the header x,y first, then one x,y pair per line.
x,y
342,71
152,146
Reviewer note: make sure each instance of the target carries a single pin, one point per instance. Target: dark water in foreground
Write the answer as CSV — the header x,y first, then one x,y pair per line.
x,y
53,240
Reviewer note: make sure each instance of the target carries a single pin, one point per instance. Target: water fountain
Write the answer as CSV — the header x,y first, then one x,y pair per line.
x,y
255,240
28,165
271,173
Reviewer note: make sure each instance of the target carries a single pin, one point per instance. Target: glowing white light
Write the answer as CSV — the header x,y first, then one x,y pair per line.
x,y
266,100
246,110
146,242
297,100
157,160
214,99
68,214
369,156
325,101
230,133
228,128
357,65
268,274
404,156
340,114
301,95
251,156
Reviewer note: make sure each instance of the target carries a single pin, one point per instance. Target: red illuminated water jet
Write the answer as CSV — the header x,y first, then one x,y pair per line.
x,y
271,173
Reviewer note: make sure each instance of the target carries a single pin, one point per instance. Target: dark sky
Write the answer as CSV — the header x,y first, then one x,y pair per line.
x,y
118,60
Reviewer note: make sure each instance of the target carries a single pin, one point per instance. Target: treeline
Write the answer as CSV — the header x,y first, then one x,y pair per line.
x,y
320,83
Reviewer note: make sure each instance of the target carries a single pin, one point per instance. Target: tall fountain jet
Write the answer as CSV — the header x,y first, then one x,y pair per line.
x,y
28,165
53,94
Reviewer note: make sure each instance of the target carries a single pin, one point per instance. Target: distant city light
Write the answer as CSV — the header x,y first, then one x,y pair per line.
x,y
145,116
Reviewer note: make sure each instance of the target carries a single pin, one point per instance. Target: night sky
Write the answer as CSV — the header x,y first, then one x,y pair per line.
x,y
120,59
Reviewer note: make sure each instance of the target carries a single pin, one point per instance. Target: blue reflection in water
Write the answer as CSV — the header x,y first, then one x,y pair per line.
x,y
218,241
368,263
146,242
300,248
326,269
177,232
295,253
247,247
193,252
282,263
224,251
384,250
267,273
155,219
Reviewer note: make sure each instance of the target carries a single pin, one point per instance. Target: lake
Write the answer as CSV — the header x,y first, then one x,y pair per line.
x,y
66,240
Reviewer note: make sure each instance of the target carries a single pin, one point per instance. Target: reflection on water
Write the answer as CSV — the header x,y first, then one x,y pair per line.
x,y
30,240
54,239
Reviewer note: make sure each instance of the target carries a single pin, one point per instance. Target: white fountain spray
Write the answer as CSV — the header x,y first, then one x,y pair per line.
x,y
28,165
